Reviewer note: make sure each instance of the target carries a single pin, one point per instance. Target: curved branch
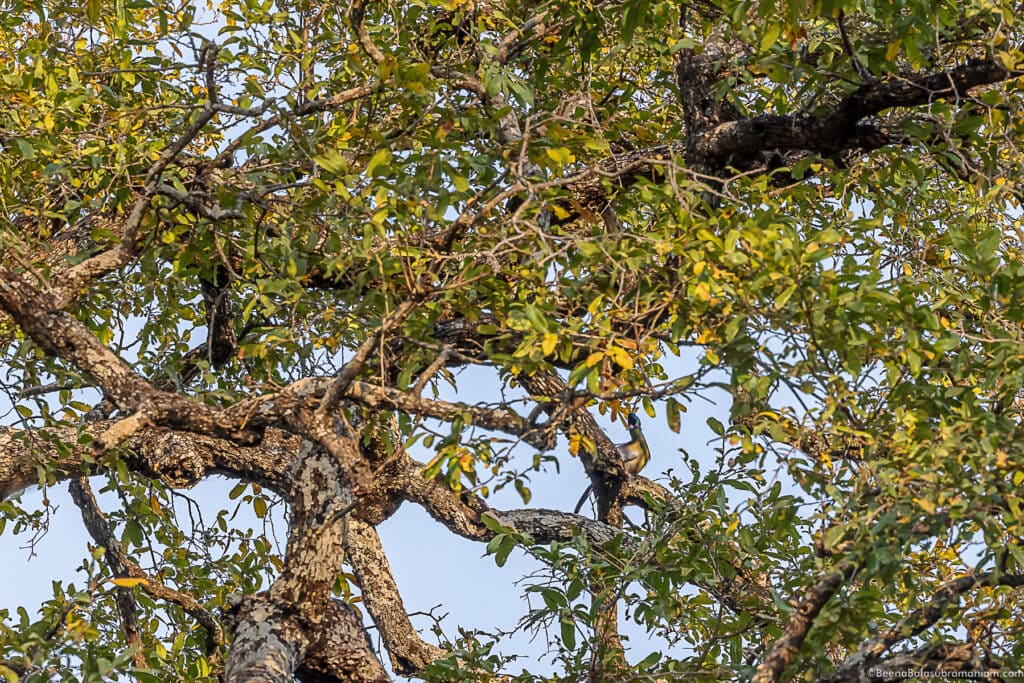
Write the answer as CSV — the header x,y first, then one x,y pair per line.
x,y
127,607
296,627
356,14
923,618
785,650
122,566
40,315
75,280
409,653
841,128
178,459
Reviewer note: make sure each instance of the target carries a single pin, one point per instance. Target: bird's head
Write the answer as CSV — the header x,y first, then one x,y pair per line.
x,y
632,421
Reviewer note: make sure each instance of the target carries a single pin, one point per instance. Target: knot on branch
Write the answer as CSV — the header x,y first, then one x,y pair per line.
x,y
174,460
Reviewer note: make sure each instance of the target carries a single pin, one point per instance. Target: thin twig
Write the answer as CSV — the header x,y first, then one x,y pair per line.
x,y
348,372
861,70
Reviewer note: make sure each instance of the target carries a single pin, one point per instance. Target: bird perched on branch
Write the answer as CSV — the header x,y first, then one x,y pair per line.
x,y
635,453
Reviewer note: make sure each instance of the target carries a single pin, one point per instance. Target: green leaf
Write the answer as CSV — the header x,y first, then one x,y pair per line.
x,y
133,534
633,17
672,414
568,633
25,148
504,549
493,524
523,491
92,11
379,162
333,161
535,317
770,36
716,426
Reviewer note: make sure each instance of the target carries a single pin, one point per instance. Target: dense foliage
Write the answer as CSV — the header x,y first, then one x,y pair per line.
x,y
262,239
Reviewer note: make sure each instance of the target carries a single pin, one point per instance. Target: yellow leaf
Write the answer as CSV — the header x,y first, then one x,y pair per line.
x,y
620,356
549,343
1008,59
560,212
925,505
129,581
594,358
560,155
702,292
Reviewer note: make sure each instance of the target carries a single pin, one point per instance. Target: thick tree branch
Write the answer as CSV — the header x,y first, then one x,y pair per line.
x,y
271,407
785,650
409,653
601,458
275,644
38,313
950,661
178,459
697,74
296,626
319,501
841,128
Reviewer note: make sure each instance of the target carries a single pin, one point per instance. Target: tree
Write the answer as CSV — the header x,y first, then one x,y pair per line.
x,y
266,236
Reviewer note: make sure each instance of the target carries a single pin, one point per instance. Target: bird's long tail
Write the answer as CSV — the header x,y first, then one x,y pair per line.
x,y
583,499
